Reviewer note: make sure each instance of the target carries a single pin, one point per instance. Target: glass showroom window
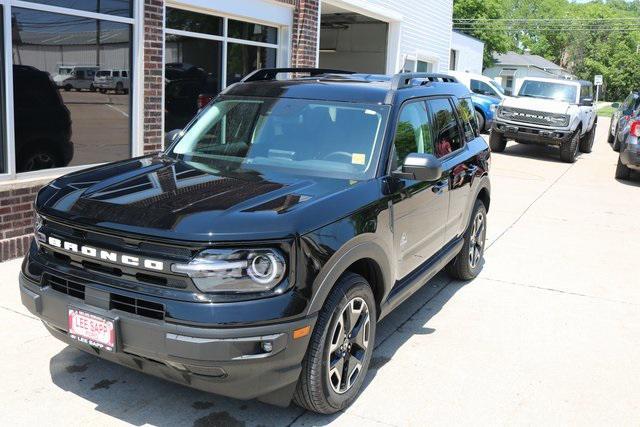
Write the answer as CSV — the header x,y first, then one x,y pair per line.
x,y
3,147
68,108
196,68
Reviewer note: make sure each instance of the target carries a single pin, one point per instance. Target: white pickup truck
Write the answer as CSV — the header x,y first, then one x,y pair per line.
x,y
550,112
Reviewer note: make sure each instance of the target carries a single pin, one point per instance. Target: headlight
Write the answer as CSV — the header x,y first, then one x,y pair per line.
x,y
235,270
559,120
38,222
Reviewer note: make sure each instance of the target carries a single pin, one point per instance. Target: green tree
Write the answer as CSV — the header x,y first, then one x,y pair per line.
x,y
495,40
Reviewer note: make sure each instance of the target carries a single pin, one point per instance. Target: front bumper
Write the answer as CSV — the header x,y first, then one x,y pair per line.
x,y
630,157
528,134
227,361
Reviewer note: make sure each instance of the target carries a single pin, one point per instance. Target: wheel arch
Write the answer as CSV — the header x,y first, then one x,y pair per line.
x,y
366,258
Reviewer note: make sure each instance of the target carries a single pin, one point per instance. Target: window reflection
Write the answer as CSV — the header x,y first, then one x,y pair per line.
x,y
110,7
253,32
65,115
243,59
3,158
192,71
185,20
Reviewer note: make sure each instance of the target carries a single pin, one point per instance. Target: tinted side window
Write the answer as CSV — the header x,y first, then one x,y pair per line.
x,y
482,88
448,137
585,91
413,133
467,116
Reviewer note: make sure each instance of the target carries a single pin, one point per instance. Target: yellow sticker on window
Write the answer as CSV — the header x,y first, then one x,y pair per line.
x,y
357,158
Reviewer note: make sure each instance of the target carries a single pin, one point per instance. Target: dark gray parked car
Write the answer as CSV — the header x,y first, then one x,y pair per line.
x,y
629,158
623,114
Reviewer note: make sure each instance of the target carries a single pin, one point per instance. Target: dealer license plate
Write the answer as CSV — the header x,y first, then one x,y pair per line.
x,y
89,328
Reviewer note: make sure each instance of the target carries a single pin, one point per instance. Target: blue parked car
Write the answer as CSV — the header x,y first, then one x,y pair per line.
x,y
485,93
484,111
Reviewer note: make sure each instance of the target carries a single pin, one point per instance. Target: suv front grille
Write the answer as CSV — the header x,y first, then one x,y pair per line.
x,y
534,117
137,306
66,286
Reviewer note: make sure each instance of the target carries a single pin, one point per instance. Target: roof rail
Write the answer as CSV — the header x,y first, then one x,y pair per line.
x,y
403,80
271,73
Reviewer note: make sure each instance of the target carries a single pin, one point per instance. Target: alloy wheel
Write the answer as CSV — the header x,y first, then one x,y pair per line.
x,y
477,239
348,345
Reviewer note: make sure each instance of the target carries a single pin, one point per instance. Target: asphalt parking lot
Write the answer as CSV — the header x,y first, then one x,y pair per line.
x,y
100,126
549,334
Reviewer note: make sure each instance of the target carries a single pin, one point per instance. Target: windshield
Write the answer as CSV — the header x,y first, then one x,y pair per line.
x,y
303,137
549,90
64,71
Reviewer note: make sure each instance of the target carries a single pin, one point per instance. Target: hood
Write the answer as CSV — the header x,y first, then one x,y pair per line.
x,y
484,99
171,200
61,77
537,104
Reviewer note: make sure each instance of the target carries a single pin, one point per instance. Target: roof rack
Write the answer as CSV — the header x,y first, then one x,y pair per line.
x,y
403,80
271,73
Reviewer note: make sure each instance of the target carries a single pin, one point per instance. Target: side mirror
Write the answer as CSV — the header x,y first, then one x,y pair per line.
x,y
588,102
422,167
615,105
171,136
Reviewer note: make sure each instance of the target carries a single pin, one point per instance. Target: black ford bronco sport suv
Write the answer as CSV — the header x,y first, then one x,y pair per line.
x,y
254,257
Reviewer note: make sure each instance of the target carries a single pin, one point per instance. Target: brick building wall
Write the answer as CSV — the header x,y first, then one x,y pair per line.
x,y
16,200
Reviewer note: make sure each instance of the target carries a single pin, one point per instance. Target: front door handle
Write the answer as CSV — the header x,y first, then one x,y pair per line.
x,y
439,186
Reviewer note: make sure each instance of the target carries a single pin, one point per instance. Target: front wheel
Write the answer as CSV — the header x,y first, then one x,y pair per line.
x,y
616,143
569,149
622,172
497,142
481,121
586,143
340,348
468,263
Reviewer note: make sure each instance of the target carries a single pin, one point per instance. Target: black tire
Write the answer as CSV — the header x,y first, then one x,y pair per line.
x,y
92,88
67,88
569,149
616,143
610,136
103,91
481,121
467,265
586,143
315,390
497,142
119,88
622,172
38,157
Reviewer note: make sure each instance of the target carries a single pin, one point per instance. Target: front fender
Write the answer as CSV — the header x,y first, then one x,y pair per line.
x,y
361,247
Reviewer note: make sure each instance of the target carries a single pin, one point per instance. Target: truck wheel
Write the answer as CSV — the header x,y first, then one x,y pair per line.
x,y
67,88
38,157
119,88
497,142
481,122
616,143
622,172
340,348
468,263
610,136
586,143
569,149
